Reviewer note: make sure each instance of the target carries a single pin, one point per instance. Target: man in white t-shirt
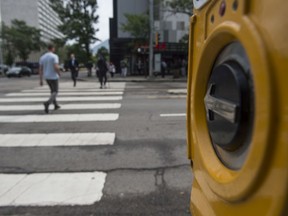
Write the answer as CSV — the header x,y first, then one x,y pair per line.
x,y
49,68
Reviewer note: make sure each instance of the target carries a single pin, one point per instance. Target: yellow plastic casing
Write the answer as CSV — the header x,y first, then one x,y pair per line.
x,y
260,187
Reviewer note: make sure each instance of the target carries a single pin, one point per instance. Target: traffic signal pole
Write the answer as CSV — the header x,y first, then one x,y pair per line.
x,y
151,15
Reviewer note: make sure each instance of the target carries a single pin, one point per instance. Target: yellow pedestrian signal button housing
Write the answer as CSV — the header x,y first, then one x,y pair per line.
x,y
237,107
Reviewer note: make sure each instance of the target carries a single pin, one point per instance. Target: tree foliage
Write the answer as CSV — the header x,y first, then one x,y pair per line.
x,y
20,39
79,52
181,6
78,21
103,51
137,25
7,49
61,49
185,39
9,58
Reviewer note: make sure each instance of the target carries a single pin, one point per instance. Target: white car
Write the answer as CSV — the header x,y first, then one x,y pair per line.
x,y
18,72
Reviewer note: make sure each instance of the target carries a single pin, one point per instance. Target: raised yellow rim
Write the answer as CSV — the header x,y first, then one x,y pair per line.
x,y
228,184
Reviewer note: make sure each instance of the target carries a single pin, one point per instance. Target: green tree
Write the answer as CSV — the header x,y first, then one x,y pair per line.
x,y
9,58
180,6
78,21
137,25
61,48
21,38
7,49
79,52
185,39
104,52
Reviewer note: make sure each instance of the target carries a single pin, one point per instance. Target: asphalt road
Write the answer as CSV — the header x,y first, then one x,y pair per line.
x,y
146,168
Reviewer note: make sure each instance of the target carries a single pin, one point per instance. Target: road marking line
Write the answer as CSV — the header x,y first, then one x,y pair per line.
x,y
51,189
61,99
59,118
23,94
177,91
63,107
167,97
72,90
85,85
55,139
173,115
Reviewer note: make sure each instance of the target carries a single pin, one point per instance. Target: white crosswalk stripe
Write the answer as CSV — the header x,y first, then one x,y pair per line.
x,y
63,107
56,139
58,189
62,99
59,118
32,94
73,90
85,85
51,189
173,115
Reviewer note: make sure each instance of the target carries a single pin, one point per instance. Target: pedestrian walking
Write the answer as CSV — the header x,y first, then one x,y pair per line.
x,y
102,71
138,66
112,69
74,68
89,67
184,67
49,69
146,67
123,68
163,68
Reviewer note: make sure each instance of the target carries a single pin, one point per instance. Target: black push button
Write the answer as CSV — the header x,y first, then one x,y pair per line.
x,y
224,102
229,103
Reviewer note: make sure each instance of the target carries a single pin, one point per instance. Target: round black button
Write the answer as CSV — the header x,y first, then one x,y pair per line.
x,y
227,89
229,104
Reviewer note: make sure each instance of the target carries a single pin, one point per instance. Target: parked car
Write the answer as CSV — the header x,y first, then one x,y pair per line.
x,y
18,72
3,69
34,66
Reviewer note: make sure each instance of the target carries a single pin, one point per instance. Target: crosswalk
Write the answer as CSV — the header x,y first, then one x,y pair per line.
x,y
59,139
59,118
82,104
73,106
62,99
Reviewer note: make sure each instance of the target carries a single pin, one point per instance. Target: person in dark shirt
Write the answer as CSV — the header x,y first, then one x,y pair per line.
x,y
74,68
102,71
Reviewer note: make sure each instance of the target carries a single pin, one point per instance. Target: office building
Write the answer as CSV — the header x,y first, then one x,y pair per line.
x,y
170,27
119,40
36,13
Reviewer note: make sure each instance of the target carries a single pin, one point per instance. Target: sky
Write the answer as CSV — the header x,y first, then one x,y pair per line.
x,y
105,11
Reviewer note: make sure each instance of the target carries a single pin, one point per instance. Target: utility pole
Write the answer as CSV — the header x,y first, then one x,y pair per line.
x,y
1,41
151,15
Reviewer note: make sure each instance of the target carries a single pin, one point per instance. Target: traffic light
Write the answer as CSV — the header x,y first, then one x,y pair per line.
x,y
157,38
